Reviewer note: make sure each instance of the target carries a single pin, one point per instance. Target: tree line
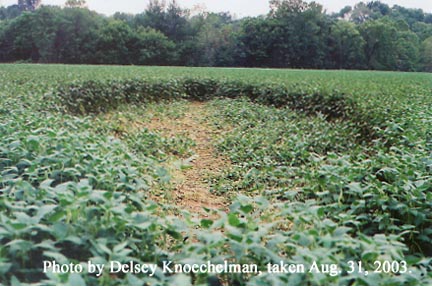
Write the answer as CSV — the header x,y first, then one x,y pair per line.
x,y
294,34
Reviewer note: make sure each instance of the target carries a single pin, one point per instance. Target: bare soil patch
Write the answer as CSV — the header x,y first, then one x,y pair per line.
x,y
191,186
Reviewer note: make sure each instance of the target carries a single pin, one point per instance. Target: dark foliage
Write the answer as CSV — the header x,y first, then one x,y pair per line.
x,y
294,34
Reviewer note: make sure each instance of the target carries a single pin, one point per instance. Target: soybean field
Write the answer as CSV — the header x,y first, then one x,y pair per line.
x,y
183,168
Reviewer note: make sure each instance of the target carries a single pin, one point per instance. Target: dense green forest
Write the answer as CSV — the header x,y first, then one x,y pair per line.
x,y
294,34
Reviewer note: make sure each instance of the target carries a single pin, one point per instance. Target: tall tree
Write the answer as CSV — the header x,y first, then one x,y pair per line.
x,y
408,51
347,46
299,33
410,16
215,38
176,22
380,44
77,35
151,47
426,55
113,44
153,17
422,30
28,5
10,12
256,51
361,13
16,42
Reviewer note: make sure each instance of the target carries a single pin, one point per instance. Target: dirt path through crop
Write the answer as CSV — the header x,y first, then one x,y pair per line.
x,y
191,189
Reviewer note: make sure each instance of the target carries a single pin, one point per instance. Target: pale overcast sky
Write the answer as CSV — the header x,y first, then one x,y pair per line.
x,y
239,7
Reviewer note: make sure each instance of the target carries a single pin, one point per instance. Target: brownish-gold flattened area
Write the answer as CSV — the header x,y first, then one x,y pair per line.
x,y
191,187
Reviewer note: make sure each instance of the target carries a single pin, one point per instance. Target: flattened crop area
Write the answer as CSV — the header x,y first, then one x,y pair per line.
x,y
192,188
190,183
